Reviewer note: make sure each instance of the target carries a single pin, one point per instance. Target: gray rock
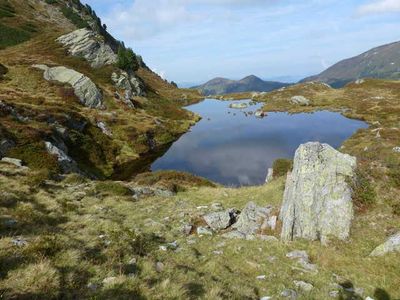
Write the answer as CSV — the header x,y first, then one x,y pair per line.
x,y
159,267
251,219
67,164
304,286
147,191
334,294
84,88
317,200
300,100
5,146
130,84
359,81
238,105
396,149
234,235
89,45
187,229
270,175
103,127
109,280
19,242
220,220
289,293
259,114
13,161
391,245
302,259
203,231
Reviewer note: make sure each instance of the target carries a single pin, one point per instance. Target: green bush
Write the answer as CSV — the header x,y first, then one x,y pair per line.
x,y
6,10
127,59
282,167
74,17
10,36
363,192
112,188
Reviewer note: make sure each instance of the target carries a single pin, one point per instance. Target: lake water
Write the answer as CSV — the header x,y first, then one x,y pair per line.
x,y
232,147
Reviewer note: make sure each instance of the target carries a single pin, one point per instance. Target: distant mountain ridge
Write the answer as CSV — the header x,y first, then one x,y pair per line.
x,y
380,62
219,86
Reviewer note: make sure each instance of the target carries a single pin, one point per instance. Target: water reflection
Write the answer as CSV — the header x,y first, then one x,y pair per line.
x,y
234,147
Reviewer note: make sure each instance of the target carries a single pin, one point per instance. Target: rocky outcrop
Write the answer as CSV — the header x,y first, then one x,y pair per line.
x,y
89,45
270,175
252,221
391,245
129,84
84,88
317,200
220,220
67,164
300,100
13,161
5,146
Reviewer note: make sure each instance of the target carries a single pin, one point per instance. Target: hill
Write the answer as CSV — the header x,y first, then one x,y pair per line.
x,y
381,62
81,91
219,86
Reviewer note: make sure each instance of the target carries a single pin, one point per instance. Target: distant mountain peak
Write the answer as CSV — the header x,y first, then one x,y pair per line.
x,y
380,62
251,83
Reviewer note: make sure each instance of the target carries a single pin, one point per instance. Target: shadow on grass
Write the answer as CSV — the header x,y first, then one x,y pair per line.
x,y
349,293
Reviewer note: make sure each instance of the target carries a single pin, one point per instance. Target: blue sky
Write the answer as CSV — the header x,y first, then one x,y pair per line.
x,y
196,40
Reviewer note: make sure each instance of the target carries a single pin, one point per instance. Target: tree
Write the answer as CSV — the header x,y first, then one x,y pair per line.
x,y
105,27
127,59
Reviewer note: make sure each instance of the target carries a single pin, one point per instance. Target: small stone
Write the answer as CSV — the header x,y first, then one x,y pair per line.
x,y
163,248
159,267
396,149
266,298
261,277
334,294
304,286
369,298
391,245
109,280
288,293
10,223
19,242
203,231
217,206
13,161
187,229
218,252
92,286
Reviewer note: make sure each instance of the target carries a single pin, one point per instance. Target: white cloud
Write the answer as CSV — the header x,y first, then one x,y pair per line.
x,y
379,7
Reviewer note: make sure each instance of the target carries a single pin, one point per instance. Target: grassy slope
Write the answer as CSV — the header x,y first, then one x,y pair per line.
x,y
159,115
81,232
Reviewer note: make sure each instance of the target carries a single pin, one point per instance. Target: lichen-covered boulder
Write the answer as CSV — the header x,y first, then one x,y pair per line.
x,y
89,45
300,100
84,88
129,83
220,220
317,200
391,245
67,164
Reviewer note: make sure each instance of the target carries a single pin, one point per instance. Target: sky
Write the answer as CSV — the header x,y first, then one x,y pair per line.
x,y
192,41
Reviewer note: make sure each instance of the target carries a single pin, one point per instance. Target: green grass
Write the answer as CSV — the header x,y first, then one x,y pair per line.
x,y
281,167
74,17
6,10
10,36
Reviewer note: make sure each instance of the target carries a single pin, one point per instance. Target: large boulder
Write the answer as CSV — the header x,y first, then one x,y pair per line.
x,y
84,88
221,219
300,100
317,200
391,245
89,45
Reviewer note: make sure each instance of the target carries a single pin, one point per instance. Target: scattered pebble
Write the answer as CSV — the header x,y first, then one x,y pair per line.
x,y
266,298
159,267
334,294
261,277
19,242
218,252
288,293
304,286
109,280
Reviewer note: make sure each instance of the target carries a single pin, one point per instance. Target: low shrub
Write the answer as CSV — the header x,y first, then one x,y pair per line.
x,y
112,188
127,59
10,36
74,17
6,10
282,166
363,191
